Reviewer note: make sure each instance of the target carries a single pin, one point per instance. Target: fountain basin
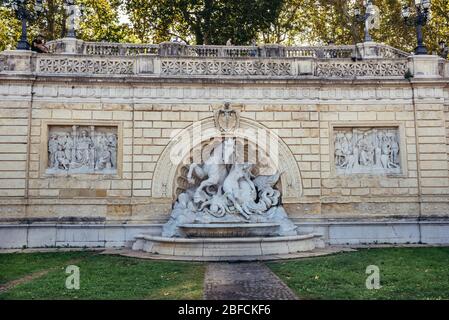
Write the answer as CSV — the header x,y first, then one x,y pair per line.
x,y
229,230
204,248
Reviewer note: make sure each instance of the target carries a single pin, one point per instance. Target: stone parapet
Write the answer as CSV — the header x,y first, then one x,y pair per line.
x,y
174,59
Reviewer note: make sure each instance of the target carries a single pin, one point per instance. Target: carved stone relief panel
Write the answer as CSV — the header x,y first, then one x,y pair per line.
x,y
368,150
82,149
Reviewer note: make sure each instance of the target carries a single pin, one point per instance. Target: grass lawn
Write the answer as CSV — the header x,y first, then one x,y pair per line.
x,y
16,265
103,277
405,273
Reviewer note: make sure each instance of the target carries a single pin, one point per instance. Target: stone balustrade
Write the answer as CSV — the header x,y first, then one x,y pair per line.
x,y
174,59
180,49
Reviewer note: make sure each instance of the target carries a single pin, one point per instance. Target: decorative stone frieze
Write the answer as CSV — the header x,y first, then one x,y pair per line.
x,y
367,150
226,67
84,65
82,149
366,68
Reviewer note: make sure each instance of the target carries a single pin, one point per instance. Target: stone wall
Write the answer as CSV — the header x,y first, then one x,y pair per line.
x,y
145,130
306,115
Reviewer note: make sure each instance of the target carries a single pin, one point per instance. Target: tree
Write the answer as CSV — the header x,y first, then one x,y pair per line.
x,y
438,26
326,21
289,22
9,29
202,21
99,22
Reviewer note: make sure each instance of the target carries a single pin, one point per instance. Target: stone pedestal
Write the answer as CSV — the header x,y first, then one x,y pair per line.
x,y
18,61
272,51
167,49
425,66
367,50
72,46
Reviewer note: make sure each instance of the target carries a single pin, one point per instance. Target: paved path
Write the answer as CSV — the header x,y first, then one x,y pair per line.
x,y
244,281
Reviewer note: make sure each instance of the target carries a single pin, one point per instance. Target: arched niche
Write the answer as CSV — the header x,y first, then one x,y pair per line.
x,y
170,170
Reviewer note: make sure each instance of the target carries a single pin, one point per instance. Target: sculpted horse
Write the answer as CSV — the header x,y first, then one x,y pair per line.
x,y
213,170
240,190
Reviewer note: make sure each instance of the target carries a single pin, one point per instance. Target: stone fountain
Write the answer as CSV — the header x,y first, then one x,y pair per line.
x,y
228,211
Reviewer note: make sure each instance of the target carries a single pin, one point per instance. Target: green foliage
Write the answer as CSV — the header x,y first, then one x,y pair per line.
x,y
289,22
405,273
9,29
438,26
99,21
202,21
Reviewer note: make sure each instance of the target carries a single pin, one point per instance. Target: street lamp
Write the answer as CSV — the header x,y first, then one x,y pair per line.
x,y
369,18
422,15
24,13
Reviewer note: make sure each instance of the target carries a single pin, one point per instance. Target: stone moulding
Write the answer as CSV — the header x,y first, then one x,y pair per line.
x,y
396,92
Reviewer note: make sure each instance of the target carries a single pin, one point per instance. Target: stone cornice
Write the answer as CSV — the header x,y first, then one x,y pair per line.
x,y
186,80
128,91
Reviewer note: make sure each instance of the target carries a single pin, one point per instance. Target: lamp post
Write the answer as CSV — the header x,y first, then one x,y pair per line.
x,y
25,14
418,20
369,18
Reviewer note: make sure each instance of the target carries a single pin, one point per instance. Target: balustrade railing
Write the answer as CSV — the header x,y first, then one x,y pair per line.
x,y
119,49
169,59
321,52
213,51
